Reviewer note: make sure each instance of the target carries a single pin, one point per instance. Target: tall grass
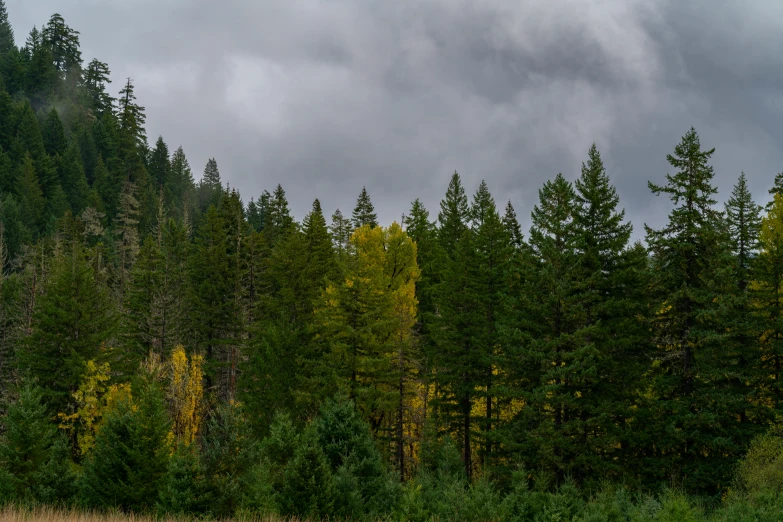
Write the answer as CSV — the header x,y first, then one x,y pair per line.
x,y
11,513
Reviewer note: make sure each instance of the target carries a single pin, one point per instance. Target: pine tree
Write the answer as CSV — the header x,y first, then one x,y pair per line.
x,y
53,134
453,215
72,320
27,445
688,255
277,218
229,455
184,489
31,200
511,226
127,231
364,212
548,363
609,287
341,233
159,164
73,180
96,79
127,467
6,31
212,282
739,312
63,44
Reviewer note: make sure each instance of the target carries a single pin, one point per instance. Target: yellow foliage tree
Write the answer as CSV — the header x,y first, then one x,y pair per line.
x,y
186,392
93,398
367,322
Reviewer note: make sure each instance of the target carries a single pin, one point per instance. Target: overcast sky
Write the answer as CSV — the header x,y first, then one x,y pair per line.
x,y
324,96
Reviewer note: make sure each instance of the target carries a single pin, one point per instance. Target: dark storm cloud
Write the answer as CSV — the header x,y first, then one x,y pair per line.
x,y
326,96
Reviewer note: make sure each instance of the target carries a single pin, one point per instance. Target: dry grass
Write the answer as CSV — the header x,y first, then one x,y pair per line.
x,y
48,514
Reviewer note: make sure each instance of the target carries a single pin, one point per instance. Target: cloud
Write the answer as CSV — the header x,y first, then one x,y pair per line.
x,y
325,96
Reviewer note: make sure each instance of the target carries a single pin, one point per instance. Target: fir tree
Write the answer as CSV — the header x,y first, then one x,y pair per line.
x,y
364,212
341,232
128,464
73,319
689,252
511,226
53,134
96,79
31,200
6,31
159,165
277,218
73,180
453,215
63,44
185,488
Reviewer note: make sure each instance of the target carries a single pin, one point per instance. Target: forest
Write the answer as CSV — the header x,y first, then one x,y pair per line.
x,y
167,347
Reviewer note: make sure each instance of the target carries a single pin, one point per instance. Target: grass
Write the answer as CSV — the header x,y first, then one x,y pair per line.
x,y
10,513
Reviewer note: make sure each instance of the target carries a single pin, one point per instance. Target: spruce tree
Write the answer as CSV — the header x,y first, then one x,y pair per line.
x,y
6,31
72,320
340,229
453,215
511,226
128,464
308,487
609,289
277,218
184,489
73,180
688,255
364,212
53,134
96,79
31,201
159,164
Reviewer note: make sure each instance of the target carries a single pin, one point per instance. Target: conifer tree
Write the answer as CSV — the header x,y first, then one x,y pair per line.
x,y
147,302
127,467
6,31
229,455
72,320
738,311
364,212
53,134
688,254
27,446
179,184
548,364
340,229
609,287
184,488
159,165
73,180
127,231
276,216
511,226
453,215
96,79
31,200
63,44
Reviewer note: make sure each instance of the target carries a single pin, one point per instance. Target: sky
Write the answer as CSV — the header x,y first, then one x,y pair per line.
x,y
327,96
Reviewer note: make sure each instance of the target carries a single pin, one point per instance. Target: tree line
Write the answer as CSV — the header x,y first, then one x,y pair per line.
x,y
234,354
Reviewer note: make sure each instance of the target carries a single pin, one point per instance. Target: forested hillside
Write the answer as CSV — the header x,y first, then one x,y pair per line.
x,y
169,345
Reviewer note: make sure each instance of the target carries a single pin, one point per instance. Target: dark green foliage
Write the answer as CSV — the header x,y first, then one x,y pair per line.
x,y
36,461
6,31
96,78
364,212
72,321
185,488
127,467
54,134
229,456
308,487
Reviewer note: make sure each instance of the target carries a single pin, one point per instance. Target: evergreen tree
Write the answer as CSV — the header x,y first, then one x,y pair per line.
x,y
53,134
185,488
159,164
691,385
73,180
72,321
127,232
229,455
341,233
511,225
63,44
308,487
453,215
6,31
364,212
126,469
179,185
96,79
210,188
31,200
609,288
27,446
277,218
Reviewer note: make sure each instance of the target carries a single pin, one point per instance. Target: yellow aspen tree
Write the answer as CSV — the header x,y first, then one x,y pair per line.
x,y
186,392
